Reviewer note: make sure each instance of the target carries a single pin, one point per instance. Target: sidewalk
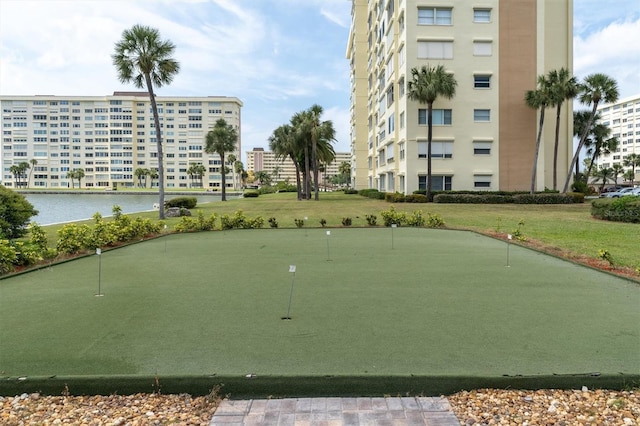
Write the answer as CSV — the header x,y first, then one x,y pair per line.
x,y
336,411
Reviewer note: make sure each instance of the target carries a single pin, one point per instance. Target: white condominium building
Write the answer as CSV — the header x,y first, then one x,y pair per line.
x,y
623,118
110,137
484,138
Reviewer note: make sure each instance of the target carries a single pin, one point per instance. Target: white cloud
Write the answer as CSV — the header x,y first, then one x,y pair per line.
x,y
610,51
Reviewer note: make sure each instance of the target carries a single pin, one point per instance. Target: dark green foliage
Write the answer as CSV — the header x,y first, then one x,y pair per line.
x,y
416,218
346,221
488,198
543,198
273,222
415,198
372,193
15,214
240,221
371,219
623,209
299,222
394,197
184,202
350,191
251,194
323,222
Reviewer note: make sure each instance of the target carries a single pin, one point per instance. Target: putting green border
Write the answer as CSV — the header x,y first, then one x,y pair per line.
x,y
240,387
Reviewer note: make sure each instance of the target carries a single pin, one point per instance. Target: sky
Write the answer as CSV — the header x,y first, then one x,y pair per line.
x,y
277,56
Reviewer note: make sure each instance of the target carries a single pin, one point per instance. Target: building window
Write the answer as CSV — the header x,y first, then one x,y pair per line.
x,y
435,50
391,124
481,81
482,181
438,183
401,150
482,48
402,120
440,117
482,148
481,115
401,55
401,87
438,149
482,15
434,16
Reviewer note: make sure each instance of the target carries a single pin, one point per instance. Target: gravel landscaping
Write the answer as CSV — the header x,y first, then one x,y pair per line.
x,y
478,407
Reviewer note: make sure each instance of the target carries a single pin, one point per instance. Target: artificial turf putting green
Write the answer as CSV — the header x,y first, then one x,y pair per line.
x,y
366,303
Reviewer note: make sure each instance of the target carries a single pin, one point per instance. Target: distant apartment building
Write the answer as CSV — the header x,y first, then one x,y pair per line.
x,y
282,170
623,118
110,137
484,138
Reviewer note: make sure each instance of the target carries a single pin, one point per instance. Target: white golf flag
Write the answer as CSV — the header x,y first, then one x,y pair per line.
x,y
292,268
509,236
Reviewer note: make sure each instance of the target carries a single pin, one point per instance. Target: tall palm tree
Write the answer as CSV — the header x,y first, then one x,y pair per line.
x,y
220,140
79,175
580,120
15,171
302,143
426,85
141,173
320,132
33,163
283,144
563,88
538,99
594,89
153,174
605,174
597,143
345,170
618,169
71,174
143,58
238,168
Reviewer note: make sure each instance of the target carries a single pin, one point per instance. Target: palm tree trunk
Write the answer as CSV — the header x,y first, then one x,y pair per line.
x,y
314,156
555,147
534,171
298,186
307,174
583,138
224,177
429,138
156,120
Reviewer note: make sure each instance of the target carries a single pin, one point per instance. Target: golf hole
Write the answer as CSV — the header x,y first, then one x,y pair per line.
x,y
285,318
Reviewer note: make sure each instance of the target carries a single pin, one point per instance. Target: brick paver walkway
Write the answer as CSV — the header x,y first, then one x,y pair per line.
x,y
433,411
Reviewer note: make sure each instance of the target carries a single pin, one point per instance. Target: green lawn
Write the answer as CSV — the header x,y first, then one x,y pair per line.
x,y
400,309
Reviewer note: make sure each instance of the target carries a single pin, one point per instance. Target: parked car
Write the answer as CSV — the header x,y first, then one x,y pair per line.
x,y
620,193
636,192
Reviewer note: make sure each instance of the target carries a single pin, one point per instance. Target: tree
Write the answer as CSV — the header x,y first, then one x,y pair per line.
x,y
426,85
319,132
563,88
33,163
580,120
594,89
15,171
345,172
231,160
263,177
238,168
153,174
220,140
15,214
605,174
141,174
143,58
71,174
538,99
79,175
284,144
632,161
275,173
598,144
618,170
197,171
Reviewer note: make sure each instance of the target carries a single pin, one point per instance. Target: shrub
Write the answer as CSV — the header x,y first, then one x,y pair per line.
x,y
371,219
72,238
251,194
623,209
323,222
299,222
394,197
199,223
346,221
350,191
416,198
8,256
273,222
543,198
183,202
15,214
391,217
434,220
240,220
416,219
372,193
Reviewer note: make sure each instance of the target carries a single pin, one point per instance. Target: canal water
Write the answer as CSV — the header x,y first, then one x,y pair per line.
x,y
60,208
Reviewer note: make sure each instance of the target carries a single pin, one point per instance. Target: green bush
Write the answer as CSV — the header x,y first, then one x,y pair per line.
x,y
372,193
183,202
623,209
465,198
350,191
15,213
415,198
240,221
199,223
543,198
8,256
346,221
416,219
371,219
72,238
391,217
251,194
273,222
434,220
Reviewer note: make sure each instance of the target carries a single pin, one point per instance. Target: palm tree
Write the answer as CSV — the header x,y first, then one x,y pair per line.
x,y
33,163
598,144
345,171
538,99
605,174
275,173
595,88
618,170
263,177
238,168
153,174
191,172
220,140
15,171
71,174
143,58
141,173
199,170
79,175
632,161
283,143
231,159
629,176
563,87
425,86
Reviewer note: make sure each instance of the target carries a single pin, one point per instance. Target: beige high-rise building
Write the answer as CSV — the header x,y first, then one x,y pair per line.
x,y
110,137
484,138
283,169
623,118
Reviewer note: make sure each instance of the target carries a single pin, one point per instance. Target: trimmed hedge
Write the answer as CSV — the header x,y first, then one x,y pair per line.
x,y
184,202
372,193
502,197
623,209
251,194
